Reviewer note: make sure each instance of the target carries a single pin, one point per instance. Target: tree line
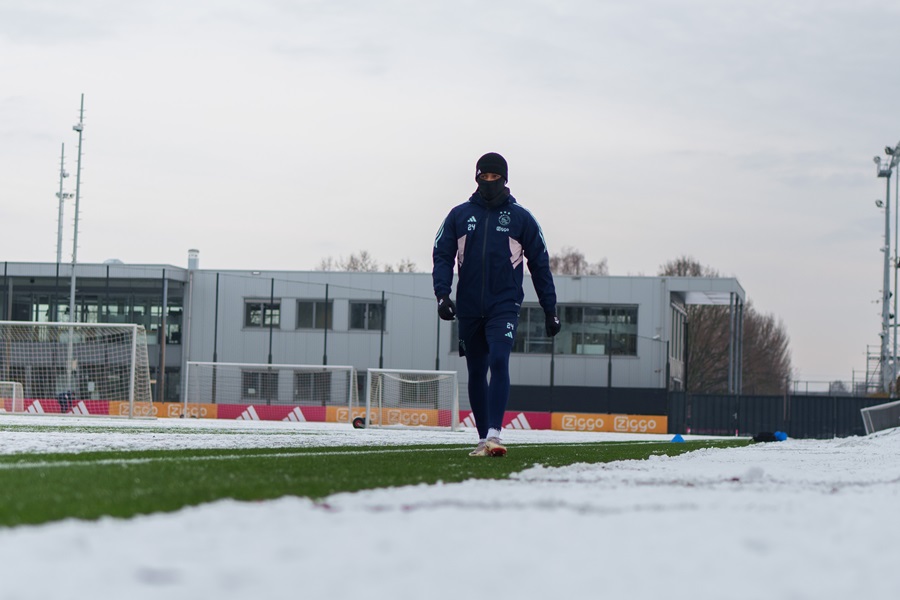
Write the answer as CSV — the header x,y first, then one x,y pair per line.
x,y
766,345
363,262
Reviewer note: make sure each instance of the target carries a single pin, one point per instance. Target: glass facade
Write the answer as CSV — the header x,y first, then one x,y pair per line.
x,y
100,301
586,329
108,300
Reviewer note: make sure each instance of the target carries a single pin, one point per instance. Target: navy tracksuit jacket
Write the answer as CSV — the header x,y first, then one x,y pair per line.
x,y
488,246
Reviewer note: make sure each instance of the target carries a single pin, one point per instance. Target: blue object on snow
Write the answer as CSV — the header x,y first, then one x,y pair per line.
x,y
780,436
677,438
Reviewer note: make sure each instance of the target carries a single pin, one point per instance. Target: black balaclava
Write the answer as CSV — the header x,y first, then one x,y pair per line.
x,y
494,192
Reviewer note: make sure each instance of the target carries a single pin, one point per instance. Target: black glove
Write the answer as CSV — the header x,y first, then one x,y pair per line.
x,y
446,308
552,325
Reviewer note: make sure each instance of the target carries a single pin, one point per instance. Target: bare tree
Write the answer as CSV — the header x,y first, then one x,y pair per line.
x,y
362,261
686,266
404,266
766,352
328,264
838,388
358,261
767,355
571,261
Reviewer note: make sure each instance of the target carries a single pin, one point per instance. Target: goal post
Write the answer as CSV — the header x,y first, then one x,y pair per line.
x,y
77,368
272,384
12,397
412,398
881,416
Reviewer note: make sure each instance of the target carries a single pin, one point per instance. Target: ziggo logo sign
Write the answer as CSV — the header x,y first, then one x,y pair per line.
x,y
343,415
633,424
406,417
387,416
620,423
178,410
582,423
141,409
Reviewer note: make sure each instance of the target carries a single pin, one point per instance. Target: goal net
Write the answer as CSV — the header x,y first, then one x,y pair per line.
x,y
77,368
11,396
881,416
328,386
410,398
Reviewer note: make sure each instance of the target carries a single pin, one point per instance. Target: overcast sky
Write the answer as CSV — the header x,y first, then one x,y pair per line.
x,y
272,134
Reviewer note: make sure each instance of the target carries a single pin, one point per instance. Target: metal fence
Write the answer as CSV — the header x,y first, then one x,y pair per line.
x,y
856,387
799,416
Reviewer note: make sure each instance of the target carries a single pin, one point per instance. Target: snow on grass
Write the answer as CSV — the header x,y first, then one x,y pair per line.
x,y
790,520
21,434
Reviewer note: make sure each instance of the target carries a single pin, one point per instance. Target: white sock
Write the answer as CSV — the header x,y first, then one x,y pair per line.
x,y
494,433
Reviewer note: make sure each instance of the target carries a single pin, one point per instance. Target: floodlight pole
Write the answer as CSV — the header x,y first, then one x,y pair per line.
x,y
888,373
80,129
886,288
894,153
62,198
885,172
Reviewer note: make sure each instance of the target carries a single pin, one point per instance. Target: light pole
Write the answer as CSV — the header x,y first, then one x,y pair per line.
x,y
63,196
885,172
79,127
894,153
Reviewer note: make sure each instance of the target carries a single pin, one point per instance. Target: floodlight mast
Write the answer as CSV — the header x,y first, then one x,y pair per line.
x,y
63,196
885,171
79,127
894,153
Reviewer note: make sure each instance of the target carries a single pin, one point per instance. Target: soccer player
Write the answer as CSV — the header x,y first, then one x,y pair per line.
x,y
488,237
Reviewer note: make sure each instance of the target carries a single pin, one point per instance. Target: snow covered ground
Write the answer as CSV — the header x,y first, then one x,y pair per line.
x,y
790,520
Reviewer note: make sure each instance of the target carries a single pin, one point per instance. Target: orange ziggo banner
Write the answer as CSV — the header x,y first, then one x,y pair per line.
x,y
386,416
165,409
604,422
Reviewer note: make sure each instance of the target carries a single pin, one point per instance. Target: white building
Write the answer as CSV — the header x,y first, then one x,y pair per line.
x,y
622,345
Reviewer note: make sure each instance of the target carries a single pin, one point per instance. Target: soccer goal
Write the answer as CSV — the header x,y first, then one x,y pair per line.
x,y
11,396
410,398
76,368
881,416
265,384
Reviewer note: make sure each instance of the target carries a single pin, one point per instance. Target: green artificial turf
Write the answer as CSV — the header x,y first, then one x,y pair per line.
x,y
38,488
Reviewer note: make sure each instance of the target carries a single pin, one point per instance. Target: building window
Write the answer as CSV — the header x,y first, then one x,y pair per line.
x,y
600,329
258,313
259,386
531,337
315,314
315,388
366,315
